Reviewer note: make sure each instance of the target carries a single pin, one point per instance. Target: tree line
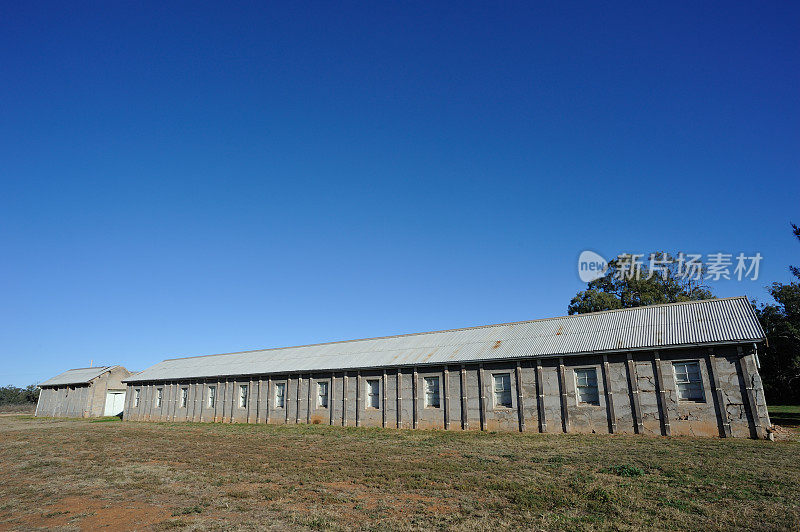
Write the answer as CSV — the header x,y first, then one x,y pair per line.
x,y
13,395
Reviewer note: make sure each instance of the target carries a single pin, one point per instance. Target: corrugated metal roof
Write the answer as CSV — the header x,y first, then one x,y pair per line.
x,y
714,321
76,376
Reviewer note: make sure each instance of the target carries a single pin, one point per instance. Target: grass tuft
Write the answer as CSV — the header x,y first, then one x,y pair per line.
x,y
624,471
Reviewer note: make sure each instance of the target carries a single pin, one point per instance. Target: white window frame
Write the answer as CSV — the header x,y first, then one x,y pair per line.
x,y
159,397
184,397
433,398
282,396
495,391
578,386
320,386
212,397
373,395
244,391
136,397
689,381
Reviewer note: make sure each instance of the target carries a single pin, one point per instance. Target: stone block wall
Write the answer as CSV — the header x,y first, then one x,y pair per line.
x,y
636,394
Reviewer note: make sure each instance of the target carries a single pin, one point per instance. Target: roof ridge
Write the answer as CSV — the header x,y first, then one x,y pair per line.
x,y
568,316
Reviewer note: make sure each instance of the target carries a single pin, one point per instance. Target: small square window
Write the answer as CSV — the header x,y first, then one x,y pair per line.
x,y
243,395
280,395
184,397
688,381
136,395
159,397
373,393
322,394
502,390
431,392
212,396
586,386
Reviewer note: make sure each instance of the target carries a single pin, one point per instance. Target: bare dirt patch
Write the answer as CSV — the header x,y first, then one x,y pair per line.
x,y
93,513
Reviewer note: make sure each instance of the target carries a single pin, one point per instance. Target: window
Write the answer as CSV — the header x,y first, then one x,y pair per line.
x,y
184,397
243,396
431,392
688,381
322,394
373,394
136,394
159,396
586,386
212,396
280,395
502,390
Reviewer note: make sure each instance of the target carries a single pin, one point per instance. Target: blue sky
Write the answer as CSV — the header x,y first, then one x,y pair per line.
x,y
193,178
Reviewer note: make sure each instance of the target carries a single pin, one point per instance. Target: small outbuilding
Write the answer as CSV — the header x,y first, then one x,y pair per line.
x,y
84,392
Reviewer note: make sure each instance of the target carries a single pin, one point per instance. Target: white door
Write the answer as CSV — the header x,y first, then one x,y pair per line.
x,y
115,403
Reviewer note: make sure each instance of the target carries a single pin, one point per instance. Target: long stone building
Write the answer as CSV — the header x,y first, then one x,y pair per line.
x,y
678,369
83,392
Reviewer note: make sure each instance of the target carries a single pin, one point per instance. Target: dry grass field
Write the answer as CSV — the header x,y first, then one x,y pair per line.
x,y
79,474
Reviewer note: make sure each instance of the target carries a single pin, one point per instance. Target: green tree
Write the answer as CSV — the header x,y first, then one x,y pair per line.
x,y
667,282
780,358
13,395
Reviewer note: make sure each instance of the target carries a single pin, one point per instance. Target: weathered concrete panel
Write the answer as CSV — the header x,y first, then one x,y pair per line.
x,y
739,393
584,417
430,417
552,395
370,417
500,417
691,418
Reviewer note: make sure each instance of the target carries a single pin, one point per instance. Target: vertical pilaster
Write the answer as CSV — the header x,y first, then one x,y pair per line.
x,y
399,397
202,399
287,399
344,400
171,396
331,398
415,395
633,382
612,417
308,403
666,430
217,414
383,399
562,384
193,389
267,399
482,395
250,387
151,389
259,413
464,411
756,428
234,394
297,405
359,393
520,398
446,398
189,404
223,400
719,398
